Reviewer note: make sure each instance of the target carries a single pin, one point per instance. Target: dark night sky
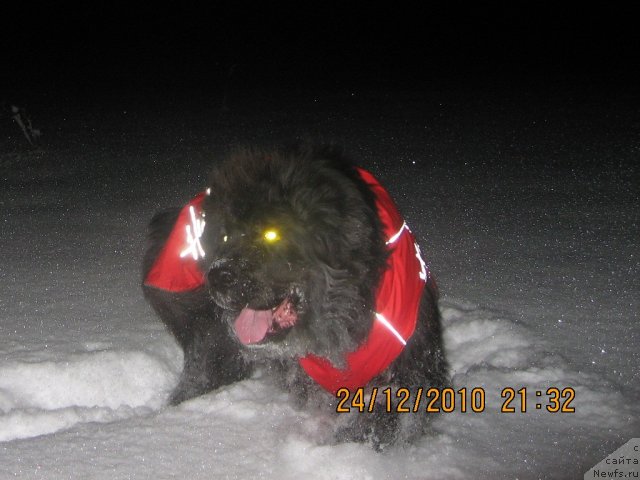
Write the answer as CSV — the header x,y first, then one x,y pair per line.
x,y
130,47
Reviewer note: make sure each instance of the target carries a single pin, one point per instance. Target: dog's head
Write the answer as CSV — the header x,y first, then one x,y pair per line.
x,y
258,275
290,242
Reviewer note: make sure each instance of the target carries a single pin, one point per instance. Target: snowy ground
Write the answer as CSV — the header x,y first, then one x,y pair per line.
x,y
526,204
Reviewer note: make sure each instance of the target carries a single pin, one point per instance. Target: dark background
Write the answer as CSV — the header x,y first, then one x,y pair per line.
x,y
101,46
471,87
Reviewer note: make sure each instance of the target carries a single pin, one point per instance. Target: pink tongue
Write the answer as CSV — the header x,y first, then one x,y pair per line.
x,y
252,326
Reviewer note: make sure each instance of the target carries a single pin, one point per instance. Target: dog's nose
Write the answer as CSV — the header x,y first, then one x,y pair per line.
x,y
221,275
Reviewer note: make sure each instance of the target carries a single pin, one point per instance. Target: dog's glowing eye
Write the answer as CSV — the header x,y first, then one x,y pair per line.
x,y
225,238
271,236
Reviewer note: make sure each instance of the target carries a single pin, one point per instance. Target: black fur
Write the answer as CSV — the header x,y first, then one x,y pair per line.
x,y
327,265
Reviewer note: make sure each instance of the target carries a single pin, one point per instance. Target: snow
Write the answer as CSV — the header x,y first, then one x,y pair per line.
x,y
526,209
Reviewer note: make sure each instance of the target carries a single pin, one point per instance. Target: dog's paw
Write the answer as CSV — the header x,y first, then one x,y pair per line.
x,y
378,429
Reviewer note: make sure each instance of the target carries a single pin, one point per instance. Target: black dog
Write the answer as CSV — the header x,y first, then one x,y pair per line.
x,y
297,261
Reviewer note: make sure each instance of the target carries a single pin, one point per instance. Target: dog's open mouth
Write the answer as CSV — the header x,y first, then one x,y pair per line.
x,y
253,326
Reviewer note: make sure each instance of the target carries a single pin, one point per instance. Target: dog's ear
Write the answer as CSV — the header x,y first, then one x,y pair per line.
x,y
340,314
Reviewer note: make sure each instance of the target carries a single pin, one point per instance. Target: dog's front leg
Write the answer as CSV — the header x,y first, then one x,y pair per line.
x,y
211,358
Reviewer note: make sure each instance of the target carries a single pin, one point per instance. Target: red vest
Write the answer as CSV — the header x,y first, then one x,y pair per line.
x,y
174,270
397,298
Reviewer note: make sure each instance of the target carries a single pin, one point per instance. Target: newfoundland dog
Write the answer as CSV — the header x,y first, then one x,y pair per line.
x,y
297,262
